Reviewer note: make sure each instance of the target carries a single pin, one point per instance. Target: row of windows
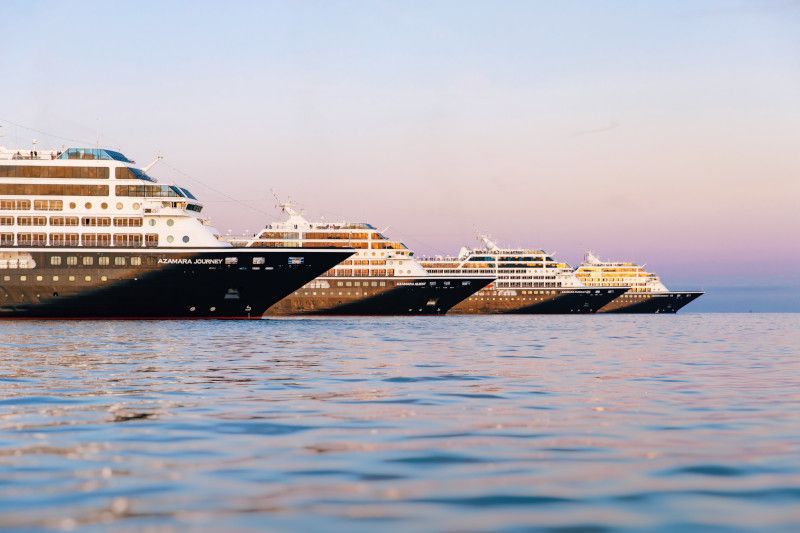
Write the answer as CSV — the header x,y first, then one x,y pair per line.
x,y
88,260
52,189
148,190
348,273
120,222
55,278
380,245
75,239
31,171
50,205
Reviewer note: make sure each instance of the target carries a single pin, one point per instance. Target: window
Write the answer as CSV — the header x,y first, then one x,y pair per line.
x,y
119,261
96,221
64,221
126,240
6,221
32,239
29,171
32,221
55,260
94,153
96,239
170,238
158,191
151,240
64,239
48,205
185,238
88,260
7,239
259,260
128,222
104,206
136,261
52,189
72,260
103,261
231,260
15,205
128,173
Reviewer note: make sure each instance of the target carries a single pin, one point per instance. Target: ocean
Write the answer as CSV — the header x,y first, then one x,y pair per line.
x,y
454,423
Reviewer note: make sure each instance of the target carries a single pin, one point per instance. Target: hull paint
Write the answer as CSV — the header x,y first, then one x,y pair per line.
x,y
154,283
378,296
650,303
537,301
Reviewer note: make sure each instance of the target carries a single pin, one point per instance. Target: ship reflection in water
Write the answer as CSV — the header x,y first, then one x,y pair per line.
x,y
450,423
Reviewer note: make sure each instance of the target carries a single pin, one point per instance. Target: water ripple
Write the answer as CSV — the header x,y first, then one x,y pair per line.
x,y
602,423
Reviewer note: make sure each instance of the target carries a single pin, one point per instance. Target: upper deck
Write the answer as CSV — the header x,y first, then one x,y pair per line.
x,y
97,197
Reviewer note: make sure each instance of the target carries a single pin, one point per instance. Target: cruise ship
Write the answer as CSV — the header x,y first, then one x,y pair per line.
x,y
528,281
382,278
85,233
646,294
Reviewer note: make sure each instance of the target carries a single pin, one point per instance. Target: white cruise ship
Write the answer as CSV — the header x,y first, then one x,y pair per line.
x,y
87,233
646,294
382,278
529,281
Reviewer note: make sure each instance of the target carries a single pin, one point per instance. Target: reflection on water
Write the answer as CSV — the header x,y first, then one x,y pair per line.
x,y
447,423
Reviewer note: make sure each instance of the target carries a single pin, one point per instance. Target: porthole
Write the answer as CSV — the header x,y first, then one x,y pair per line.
x,y
23,278
104,206
185,238
72,278
88,205
88,278
137,205
213,309
119,205
55,278
170,238
72,205
39,278
152,222
170,222
103,278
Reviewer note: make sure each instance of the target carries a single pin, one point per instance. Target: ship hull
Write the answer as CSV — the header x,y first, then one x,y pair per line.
x,y
650,303
537,301
153,283
378,296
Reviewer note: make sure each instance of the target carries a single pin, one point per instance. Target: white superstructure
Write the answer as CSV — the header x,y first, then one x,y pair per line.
x,y
595,272
514,268
376,255
94,198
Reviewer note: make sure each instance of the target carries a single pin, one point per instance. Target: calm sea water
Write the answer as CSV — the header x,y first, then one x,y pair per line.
x,y
445,423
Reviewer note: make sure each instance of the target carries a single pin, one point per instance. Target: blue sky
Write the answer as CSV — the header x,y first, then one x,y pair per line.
x,y
661,132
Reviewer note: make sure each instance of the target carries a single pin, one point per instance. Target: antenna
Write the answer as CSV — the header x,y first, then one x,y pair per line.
x,y
151,165
487,241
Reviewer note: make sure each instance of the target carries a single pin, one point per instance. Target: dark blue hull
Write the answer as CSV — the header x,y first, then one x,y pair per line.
x,y
155,283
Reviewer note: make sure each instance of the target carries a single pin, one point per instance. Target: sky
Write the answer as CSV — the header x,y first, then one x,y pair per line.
x,y
666,133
